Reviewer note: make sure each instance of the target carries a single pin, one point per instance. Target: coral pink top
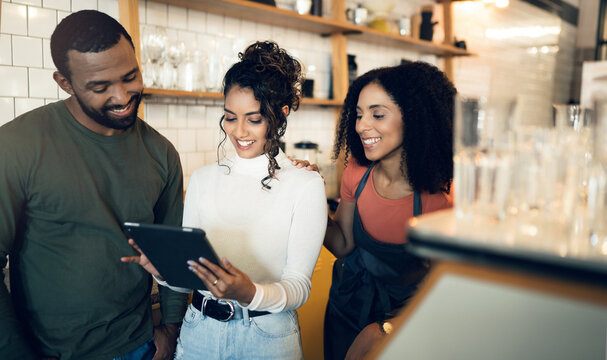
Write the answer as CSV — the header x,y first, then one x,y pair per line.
x,y
384,219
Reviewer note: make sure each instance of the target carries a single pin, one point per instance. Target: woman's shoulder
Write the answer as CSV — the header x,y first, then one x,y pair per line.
x,y
292,174
437,201
354,171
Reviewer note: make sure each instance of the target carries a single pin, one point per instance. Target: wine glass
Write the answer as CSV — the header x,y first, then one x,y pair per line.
x,y
175,55
153,50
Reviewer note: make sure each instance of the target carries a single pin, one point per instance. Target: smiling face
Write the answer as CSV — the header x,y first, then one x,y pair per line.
x,y
379,123
106,87
243,123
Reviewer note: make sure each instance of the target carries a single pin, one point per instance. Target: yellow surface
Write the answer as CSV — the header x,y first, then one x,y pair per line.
x,y
312,314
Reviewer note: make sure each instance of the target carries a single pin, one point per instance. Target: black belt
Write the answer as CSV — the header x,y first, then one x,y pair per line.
x,y
219,309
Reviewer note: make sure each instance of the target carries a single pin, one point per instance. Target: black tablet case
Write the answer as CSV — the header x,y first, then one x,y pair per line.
x,y
170,247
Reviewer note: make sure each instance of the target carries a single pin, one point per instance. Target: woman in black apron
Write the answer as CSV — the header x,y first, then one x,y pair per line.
x,y
396,122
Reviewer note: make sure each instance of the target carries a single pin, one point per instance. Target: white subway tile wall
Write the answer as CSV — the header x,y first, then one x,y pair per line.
x,y
64,5
23,105
29,2
27,51
6,53
14,19
41,22
7,108
540,76
521,51
41,83
14,81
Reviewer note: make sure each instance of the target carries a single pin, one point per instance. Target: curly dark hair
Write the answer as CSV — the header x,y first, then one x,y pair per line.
x,y
425,97
84,31
276,80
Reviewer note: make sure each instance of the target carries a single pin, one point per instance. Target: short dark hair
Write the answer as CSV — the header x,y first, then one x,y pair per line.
x,y
276,79
84,31
425,97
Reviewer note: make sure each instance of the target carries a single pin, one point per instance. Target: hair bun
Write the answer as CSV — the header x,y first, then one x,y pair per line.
x,y
268,56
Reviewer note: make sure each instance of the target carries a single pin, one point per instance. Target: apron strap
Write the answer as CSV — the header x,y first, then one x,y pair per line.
x,y
417,204
417,200
363,181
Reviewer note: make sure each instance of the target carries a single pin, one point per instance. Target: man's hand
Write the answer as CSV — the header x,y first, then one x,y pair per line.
x,y
165,339
141,260
364,342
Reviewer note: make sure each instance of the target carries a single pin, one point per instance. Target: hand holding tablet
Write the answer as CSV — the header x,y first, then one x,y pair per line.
x,y
168,248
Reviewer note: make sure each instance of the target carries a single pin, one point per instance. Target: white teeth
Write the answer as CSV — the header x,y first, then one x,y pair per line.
x,y
370,141
120,110
245,143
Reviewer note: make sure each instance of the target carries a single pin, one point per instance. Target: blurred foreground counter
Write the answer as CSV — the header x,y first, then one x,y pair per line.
x,y
492,296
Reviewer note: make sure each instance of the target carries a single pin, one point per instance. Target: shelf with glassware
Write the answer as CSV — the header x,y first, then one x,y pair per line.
x,y
270,15
217,96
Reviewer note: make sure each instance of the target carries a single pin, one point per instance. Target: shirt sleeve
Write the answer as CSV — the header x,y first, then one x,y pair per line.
x,y
13,344
435,202
308,226
169,210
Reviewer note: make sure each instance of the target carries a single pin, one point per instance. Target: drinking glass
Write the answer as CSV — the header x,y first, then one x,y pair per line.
x,y
175,54
153,50
191,71
597,184
212,73
572,116
544,189
483,157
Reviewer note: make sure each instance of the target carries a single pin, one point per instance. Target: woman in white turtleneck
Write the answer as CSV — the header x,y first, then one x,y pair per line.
x,y
265,218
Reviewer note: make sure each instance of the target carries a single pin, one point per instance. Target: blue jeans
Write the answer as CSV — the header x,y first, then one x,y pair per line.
x,y
273,336
144,352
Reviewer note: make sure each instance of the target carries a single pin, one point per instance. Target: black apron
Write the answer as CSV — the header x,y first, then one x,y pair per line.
x,y
370,284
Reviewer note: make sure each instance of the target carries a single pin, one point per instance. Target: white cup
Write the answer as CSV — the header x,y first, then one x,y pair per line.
x,y
303,6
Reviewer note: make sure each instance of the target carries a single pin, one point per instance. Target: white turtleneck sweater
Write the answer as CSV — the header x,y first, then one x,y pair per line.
x,y
274,236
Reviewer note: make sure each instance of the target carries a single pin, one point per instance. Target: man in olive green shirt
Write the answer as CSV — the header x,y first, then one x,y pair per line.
x,y
71,173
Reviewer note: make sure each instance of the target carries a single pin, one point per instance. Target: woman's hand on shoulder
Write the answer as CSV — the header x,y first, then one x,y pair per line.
x,y
304,164
224,282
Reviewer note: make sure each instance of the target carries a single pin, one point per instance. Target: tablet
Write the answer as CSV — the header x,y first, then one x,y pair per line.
x,y
170,247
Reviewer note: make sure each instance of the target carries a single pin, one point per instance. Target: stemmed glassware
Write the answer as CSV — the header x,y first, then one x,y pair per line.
x,y
153,43
175,55
169,64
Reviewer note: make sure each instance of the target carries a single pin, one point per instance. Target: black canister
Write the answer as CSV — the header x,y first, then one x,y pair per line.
x,y
316,8
426,28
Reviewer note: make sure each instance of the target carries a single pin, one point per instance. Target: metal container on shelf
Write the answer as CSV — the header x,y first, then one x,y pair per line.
x,y
306,150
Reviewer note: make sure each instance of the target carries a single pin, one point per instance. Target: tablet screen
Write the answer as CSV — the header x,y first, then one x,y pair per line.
x,y
170,247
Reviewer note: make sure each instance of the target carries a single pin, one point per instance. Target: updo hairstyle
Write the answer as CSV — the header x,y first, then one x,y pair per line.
x,y
276,80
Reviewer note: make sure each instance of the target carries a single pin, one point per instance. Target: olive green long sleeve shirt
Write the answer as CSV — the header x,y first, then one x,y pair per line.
x,y
64,193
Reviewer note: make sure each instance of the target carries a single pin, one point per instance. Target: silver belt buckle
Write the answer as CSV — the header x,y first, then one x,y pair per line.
x,y
232,310
230,305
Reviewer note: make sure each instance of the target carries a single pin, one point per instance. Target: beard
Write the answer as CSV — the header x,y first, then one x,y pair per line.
x,y
102,118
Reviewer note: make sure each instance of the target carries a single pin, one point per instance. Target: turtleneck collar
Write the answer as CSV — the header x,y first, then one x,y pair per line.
x,y
257,166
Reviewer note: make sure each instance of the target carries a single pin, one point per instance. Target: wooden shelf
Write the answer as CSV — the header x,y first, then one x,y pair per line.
x,y
214,95
322,102
372,36
182,93
260,13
